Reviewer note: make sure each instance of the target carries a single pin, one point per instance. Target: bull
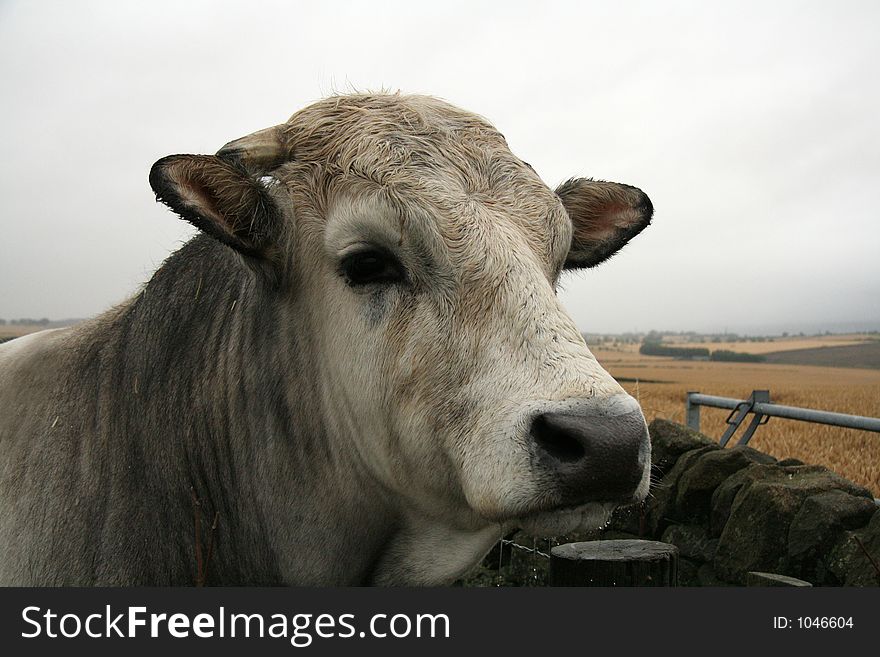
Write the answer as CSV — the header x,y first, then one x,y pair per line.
x,y
358,370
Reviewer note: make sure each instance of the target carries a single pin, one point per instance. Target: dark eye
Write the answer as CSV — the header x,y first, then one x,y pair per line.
x,y
371,266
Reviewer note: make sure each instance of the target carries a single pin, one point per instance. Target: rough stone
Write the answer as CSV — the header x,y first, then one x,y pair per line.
x,y
630,519
809,479
661,507
706,576
692,541
687,572
669,441
821,521
848,562
695,487
772,579
613,535
766,501
733,511
755,536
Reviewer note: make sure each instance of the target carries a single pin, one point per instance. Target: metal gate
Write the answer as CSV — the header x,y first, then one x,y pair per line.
x,y
762,409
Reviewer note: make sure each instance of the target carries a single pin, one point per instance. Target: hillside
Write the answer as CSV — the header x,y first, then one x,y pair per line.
x,y
863,355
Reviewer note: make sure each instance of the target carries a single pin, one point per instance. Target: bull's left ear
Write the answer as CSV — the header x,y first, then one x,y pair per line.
x,y
220,198
604,215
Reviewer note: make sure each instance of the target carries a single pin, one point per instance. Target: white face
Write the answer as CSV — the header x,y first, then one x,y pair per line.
x,y
442,341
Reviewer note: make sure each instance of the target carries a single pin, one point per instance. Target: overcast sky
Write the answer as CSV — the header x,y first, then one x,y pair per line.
x,y
753,126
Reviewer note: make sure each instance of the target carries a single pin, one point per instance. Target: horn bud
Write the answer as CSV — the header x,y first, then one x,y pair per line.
x,y
258,152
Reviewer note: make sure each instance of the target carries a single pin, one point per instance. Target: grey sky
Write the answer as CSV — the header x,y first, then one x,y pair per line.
x,y
753,127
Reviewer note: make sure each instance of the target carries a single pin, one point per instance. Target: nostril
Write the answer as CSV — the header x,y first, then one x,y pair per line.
x,y
557,441
596,454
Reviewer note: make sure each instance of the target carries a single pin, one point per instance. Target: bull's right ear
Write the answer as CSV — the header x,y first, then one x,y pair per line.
x,y
219,198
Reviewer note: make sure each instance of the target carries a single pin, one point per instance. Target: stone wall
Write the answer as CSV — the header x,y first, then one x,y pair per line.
x,y
735,510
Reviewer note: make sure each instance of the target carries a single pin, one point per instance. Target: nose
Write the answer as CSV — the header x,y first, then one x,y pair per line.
x,y
596,454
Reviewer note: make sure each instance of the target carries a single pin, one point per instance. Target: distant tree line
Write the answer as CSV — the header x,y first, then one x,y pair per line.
x,y
736,356
26,320
652,346
686,353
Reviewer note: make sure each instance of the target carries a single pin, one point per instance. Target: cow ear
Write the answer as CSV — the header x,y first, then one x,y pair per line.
x,y
219,198
604,215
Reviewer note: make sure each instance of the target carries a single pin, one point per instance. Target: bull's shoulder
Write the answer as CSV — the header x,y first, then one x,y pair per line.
x,y
29,367
36,368
32,347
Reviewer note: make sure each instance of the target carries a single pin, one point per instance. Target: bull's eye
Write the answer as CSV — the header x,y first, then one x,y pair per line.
x,y
371,266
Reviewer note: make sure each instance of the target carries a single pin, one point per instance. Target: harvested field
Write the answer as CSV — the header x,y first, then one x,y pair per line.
x,y
775,344
18,330
866,354
854,454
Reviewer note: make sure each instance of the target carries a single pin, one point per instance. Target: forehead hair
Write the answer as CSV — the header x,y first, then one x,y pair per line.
x,y
391,138
420,149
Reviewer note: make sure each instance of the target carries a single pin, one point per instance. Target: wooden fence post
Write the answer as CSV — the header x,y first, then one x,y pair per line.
x,y
614,563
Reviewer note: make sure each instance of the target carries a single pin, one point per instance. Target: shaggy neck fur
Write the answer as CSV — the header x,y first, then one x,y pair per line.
x,y
194,386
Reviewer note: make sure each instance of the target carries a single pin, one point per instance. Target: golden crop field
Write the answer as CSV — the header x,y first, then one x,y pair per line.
x,y
18,330
775,344
661,385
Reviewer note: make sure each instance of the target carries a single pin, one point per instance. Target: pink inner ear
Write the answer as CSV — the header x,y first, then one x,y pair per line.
x,y
217,198
197,197
604,223
604,217
621,215
202,200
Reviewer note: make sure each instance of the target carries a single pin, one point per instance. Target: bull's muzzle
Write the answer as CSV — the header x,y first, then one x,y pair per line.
x,y
598,453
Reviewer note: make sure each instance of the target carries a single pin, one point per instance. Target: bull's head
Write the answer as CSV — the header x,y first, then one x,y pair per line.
x,y
420,259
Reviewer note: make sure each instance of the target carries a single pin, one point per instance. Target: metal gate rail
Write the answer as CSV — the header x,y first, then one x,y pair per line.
x,y
762,409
